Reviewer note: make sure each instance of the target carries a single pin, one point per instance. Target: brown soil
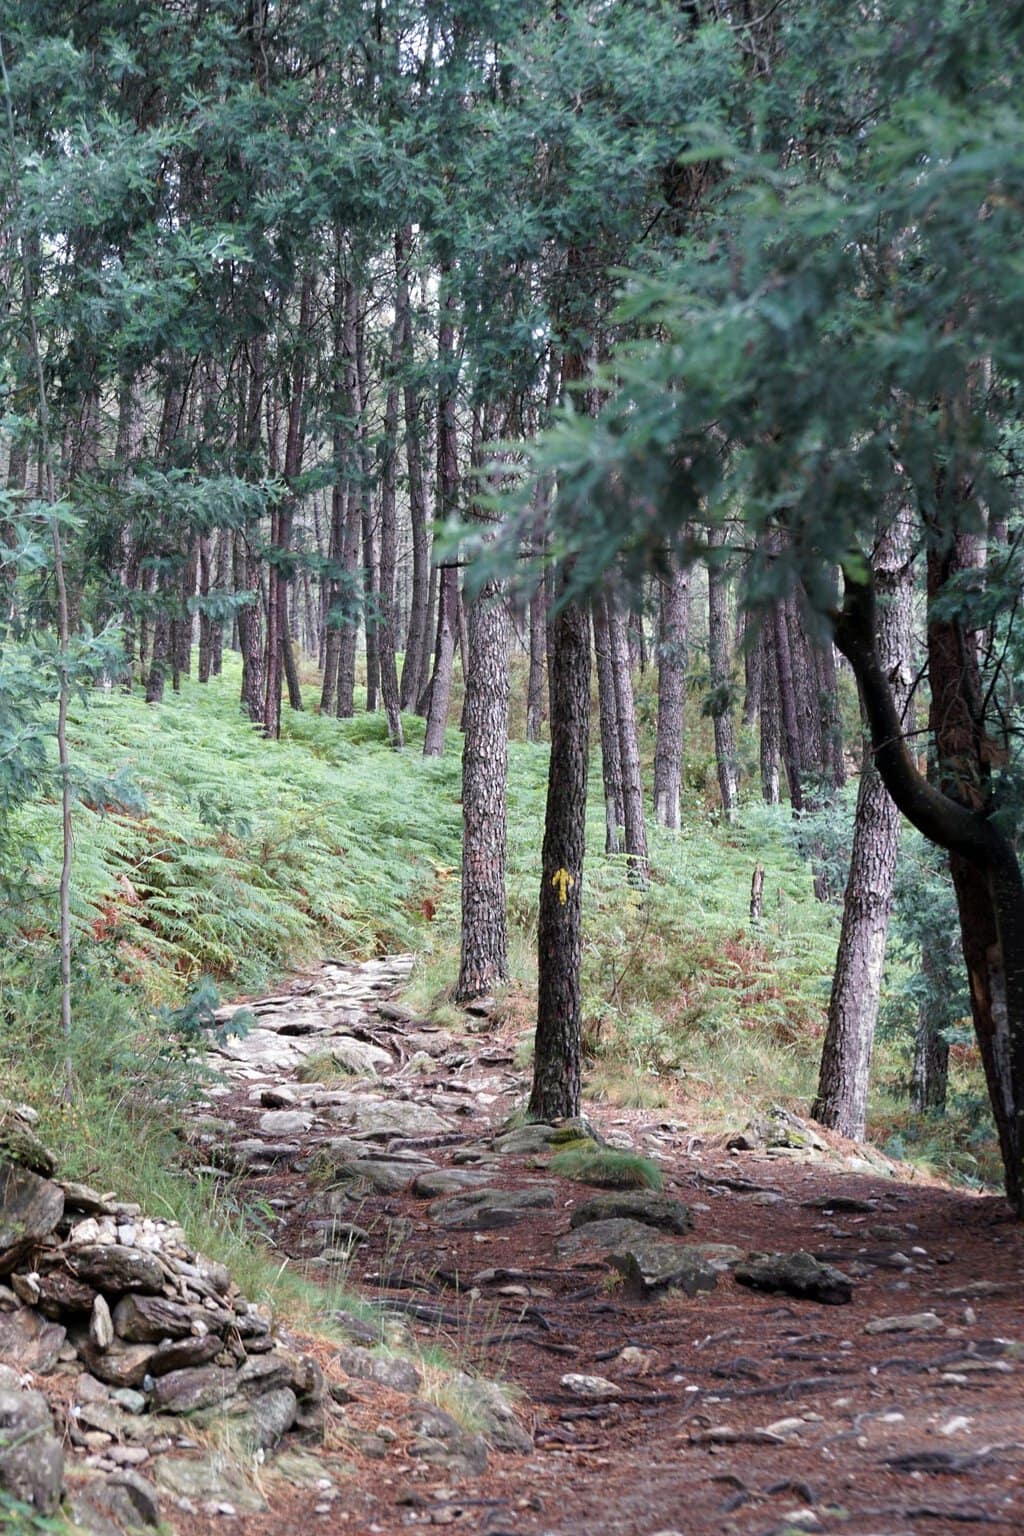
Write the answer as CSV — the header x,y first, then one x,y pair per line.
x,y
886,1434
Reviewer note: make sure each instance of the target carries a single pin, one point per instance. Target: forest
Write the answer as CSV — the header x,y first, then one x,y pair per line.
x,y
510,640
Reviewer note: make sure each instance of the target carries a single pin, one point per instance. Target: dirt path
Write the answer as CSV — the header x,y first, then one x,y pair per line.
x,y
734,1411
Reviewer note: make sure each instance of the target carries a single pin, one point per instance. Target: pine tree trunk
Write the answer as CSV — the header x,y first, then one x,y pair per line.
x,y
673,625
720,669
250,632
447,497
417,643
557,1061
484,954
611,757
205,623
787,707
386,624
629,746
769,714
930,1075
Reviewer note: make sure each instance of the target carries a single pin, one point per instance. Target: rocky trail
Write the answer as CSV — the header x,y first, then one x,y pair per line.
x,y
788,1338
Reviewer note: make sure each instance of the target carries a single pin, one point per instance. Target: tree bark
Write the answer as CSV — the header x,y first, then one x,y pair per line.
x,y
720,669
558,1053
608,709
845,1071
629,746
673,626
484,950
768,712
447,496
986,873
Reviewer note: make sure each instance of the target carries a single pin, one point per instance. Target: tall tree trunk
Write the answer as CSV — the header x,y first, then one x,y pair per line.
x,y
930,1073
250,631
484,954
538,642
557,1061
629,746
673,626
787,707
447,496
417,642
353,516
845,1070
386,623
608,711
769,712
205,622
986,873
721,685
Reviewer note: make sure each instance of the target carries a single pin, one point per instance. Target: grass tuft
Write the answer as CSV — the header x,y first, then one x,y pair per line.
x,y
606,1167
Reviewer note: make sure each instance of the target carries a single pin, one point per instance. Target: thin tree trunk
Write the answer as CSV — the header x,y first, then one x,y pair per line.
x,y
608,710
444,661
417,643
845,1070
390,689
770,720
558,1053
673,626
720,669
484,951
787,707
536,711
629,747
930,1075
447,496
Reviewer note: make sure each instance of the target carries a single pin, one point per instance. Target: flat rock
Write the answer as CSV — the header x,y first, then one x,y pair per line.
x,y
30,1208
636,1205
796,1274
200,1387
437,1182
210,1476
251,1154
153,1319
398,1374
285,1122
654,1264
594,1387
28,1342
370,1175
359,1057
598,1239
482,1210
384,1119
911,1322
122,1365
184,1354
31,1458
114,1268
524,1140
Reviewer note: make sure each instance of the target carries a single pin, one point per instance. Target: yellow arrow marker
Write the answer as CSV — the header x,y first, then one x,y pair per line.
x,y
563,883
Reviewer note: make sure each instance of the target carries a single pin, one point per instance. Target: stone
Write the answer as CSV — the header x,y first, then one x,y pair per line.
x,y
796,1274
441,1441
279,1097
482,1210
152,1319
61,1292
261,1422
380,1118
285,1122
31,1458
184,1354
636,1205
388,1371
199,1387
597,1239
101,1326
113,1268
597,1387
20,1146
721,1256
131,1401
252,1155
358,1056
369,1176
355,1328
122,1365
29,1342
912,1322
132,1501
30,1208
778,1128
82,1197
210,1476
525,1140
654,1264
488,1407
447,1181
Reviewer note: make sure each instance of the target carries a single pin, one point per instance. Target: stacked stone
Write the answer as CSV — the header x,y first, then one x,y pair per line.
x,y
139,1325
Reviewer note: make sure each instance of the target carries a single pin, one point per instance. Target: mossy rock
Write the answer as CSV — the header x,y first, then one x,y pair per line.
x,y
22,1147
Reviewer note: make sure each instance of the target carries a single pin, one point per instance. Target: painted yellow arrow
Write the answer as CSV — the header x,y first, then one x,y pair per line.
x,y
563,883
